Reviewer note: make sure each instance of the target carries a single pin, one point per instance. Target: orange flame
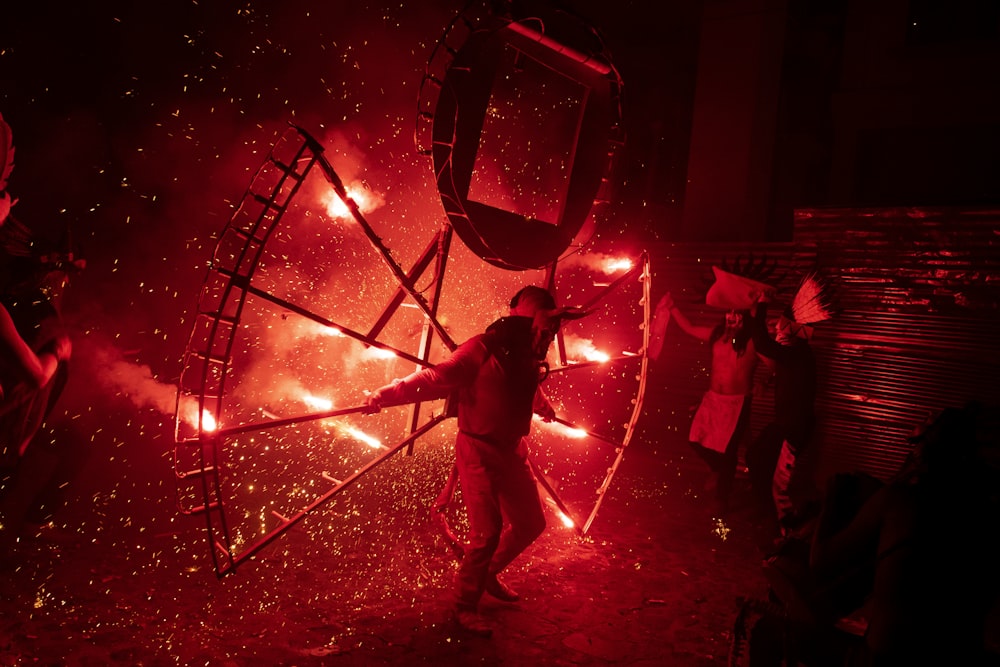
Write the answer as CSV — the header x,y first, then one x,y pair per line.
x,y
563,429
583,348
208,421
373,352
317,402
189,413
563,517
362,197
615,264
323,330
371,441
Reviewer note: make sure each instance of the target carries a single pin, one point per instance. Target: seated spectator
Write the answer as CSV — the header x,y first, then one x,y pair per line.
x,y
915,557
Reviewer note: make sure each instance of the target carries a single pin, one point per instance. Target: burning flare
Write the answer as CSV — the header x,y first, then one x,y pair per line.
x,y
362,196
579,348
615,264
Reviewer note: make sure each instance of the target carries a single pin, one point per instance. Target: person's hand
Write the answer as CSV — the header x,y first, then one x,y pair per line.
x,y
666,303
546,412
63,348
374,402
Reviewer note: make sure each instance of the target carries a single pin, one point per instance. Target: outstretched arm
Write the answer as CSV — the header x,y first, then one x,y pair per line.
x,y
38,369
667,305
434,382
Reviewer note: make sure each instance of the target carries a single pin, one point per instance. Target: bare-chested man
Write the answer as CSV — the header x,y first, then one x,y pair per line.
x,y
723,417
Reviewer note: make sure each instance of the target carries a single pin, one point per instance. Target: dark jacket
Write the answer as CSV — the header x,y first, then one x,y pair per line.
x,y
496,379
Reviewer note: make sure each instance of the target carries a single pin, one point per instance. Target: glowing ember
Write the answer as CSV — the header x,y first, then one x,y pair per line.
x,y
363,198
363,437
208,421
189,413
721,530
317,402
615,264
583,348
379,353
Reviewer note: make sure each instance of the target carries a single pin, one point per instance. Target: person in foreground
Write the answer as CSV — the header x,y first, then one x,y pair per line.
x,y
494,377
911,561
34,354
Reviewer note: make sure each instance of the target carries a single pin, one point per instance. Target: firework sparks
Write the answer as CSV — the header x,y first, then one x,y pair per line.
x,y
562,429
317,402
362,197
361,436
579,348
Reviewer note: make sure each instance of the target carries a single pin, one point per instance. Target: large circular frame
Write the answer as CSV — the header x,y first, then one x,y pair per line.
x,y
206,423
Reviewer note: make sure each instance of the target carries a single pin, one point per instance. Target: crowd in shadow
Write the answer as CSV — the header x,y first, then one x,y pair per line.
x,y
896,572
862,571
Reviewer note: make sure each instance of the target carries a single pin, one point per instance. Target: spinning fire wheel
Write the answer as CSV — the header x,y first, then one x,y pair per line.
x,y
288,327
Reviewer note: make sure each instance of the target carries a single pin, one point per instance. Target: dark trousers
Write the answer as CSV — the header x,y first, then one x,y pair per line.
x,y
769,484
504,510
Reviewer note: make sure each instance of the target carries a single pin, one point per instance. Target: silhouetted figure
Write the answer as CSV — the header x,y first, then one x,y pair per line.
x,y
916,557
35,349
930,539
494,378
773,455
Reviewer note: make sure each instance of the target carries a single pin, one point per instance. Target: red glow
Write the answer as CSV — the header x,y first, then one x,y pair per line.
x,y
614,264
189,413
363,198
317,402
208,421
582,348
357,434
562,429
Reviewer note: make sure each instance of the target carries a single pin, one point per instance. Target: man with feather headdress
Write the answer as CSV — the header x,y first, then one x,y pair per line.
x,y
772,456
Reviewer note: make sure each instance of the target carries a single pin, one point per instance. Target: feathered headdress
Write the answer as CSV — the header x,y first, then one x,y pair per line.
x,y
810,305
6,166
